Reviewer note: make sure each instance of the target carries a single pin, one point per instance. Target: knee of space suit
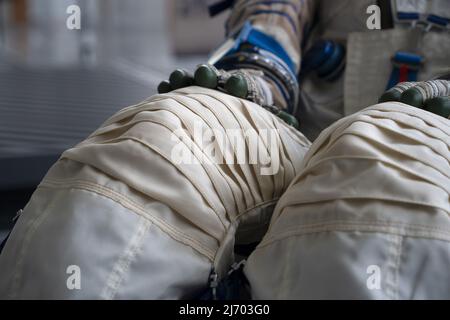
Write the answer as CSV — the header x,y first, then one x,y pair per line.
x,y
150,202
368,214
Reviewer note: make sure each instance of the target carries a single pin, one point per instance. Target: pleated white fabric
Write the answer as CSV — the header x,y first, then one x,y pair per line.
x,y
135,223
368,215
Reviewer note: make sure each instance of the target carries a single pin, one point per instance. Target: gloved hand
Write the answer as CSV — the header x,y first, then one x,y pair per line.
x,y
242,83
208,76
433,95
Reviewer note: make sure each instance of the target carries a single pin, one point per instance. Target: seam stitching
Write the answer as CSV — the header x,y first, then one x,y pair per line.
x,y
138,209
122,265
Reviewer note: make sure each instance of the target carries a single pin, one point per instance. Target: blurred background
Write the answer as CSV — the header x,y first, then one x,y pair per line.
x,y
57,84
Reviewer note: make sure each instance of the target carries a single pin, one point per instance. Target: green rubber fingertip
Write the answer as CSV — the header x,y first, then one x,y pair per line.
x,y
439,106
180,78
413,97
289,119
205,76
236,86
390,95
164,87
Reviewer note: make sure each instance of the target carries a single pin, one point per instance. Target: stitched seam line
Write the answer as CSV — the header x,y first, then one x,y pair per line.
x,y
387,199
122,265
372,222
172,231
393,265
199,187
364,226
34,224
384,161
190,178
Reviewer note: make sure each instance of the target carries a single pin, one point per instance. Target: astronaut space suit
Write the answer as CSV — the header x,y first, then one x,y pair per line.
x,y
359,203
